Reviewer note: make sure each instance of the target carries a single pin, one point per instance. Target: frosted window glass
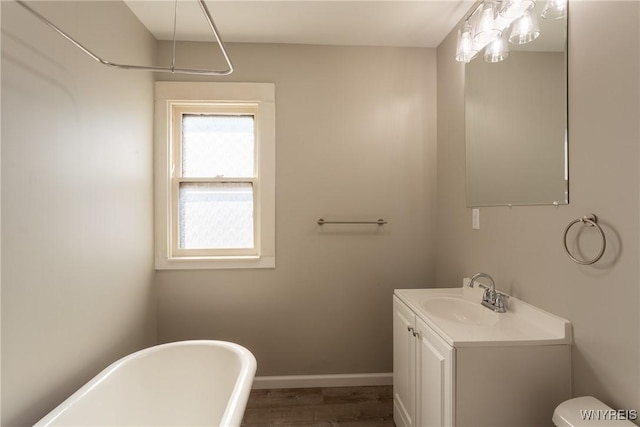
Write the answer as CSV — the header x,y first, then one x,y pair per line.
x,y
217,146
216,216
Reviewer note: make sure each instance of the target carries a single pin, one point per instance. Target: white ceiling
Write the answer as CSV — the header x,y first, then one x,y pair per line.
x,y
419,23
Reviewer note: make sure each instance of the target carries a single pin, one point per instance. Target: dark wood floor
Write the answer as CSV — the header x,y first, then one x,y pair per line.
x,y
321,407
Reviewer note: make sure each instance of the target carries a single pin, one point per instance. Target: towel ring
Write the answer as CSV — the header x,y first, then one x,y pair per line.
x,y
591,221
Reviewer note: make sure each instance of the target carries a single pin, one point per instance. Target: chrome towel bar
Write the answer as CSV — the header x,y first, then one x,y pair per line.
x,y
378,222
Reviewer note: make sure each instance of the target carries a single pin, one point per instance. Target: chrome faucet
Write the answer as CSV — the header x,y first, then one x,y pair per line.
x,y
485,275
491,299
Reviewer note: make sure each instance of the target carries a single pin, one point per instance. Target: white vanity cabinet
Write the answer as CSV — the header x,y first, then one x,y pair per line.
x,y
422,372
455,380
404,365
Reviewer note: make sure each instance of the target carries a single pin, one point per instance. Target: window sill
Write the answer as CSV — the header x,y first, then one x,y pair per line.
x,y
215,263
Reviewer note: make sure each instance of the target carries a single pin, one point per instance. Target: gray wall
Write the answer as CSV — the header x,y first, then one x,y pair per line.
x,y
355,131
76,202
521,247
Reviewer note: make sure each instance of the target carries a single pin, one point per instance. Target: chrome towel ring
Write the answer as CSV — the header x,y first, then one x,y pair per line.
x,y
590,221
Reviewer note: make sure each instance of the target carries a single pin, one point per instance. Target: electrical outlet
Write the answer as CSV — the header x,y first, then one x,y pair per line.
x,y
475,222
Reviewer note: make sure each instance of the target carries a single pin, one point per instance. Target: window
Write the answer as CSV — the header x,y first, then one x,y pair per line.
x,y
215,175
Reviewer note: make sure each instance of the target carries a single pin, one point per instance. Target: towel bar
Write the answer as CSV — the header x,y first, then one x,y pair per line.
x,y
378,222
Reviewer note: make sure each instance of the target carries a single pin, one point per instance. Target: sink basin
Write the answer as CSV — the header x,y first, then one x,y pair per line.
x,y
457,315
460,310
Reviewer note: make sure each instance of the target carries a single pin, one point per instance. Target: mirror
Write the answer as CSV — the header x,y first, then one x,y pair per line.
x,y
516,122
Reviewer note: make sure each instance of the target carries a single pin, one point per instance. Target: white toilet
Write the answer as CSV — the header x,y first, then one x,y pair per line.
x,y
588,411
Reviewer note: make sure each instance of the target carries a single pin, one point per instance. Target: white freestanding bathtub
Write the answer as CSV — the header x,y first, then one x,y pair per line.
x,y
188,383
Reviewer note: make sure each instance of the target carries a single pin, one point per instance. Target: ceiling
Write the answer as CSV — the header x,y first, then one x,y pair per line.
x,y
416,23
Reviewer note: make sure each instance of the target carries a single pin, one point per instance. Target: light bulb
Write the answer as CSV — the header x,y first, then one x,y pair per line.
x,y
524,30
465,50
486,29
496,51
512,9
555,9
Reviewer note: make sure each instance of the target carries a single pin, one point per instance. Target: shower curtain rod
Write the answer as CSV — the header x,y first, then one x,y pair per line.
x,y
170,69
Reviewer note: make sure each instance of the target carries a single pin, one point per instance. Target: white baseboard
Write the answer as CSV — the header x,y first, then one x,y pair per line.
x,y
307,381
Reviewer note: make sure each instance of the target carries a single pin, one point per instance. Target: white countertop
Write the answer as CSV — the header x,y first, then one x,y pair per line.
x,y
522,324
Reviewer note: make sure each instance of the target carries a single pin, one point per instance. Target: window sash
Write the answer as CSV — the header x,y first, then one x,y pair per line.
x,y
231,154
194,252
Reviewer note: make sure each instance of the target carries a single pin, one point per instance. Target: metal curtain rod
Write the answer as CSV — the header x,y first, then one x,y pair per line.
x,y
170,69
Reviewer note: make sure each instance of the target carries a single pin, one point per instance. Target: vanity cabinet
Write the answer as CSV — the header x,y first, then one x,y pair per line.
x,y
423,372
404,365
437,384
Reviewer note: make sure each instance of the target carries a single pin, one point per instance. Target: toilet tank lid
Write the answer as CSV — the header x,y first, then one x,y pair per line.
x,y
576,413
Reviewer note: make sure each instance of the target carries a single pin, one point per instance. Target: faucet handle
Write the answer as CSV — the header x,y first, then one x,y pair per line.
x,y
488,296
501,302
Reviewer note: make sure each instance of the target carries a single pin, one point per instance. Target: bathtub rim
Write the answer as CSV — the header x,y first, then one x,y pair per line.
x,y
234,410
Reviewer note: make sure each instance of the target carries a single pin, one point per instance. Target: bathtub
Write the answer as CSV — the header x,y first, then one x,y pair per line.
x,y
188,383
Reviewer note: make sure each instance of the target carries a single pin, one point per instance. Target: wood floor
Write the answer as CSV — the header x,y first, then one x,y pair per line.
x,y
321,407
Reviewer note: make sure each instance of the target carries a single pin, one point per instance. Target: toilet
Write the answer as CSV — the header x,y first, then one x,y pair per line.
x,y
588,411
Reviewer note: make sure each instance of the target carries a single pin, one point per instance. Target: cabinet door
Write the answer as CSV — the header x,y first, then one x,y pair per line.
x,y
404,377
434,373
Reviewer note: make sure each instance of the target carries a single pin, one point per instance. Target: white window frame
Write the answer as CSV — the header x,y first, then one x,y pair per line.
x,y
171,100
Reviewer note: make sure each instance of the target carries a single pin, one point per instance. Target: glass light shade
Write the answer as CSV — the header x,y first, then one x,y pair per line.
x,y
524,30
465,50
486,27
554,9
512,9
496,51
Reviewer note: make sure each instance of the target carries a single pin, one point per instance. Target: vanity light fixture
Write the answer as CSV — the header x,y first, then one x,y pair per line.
x,y
486,26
